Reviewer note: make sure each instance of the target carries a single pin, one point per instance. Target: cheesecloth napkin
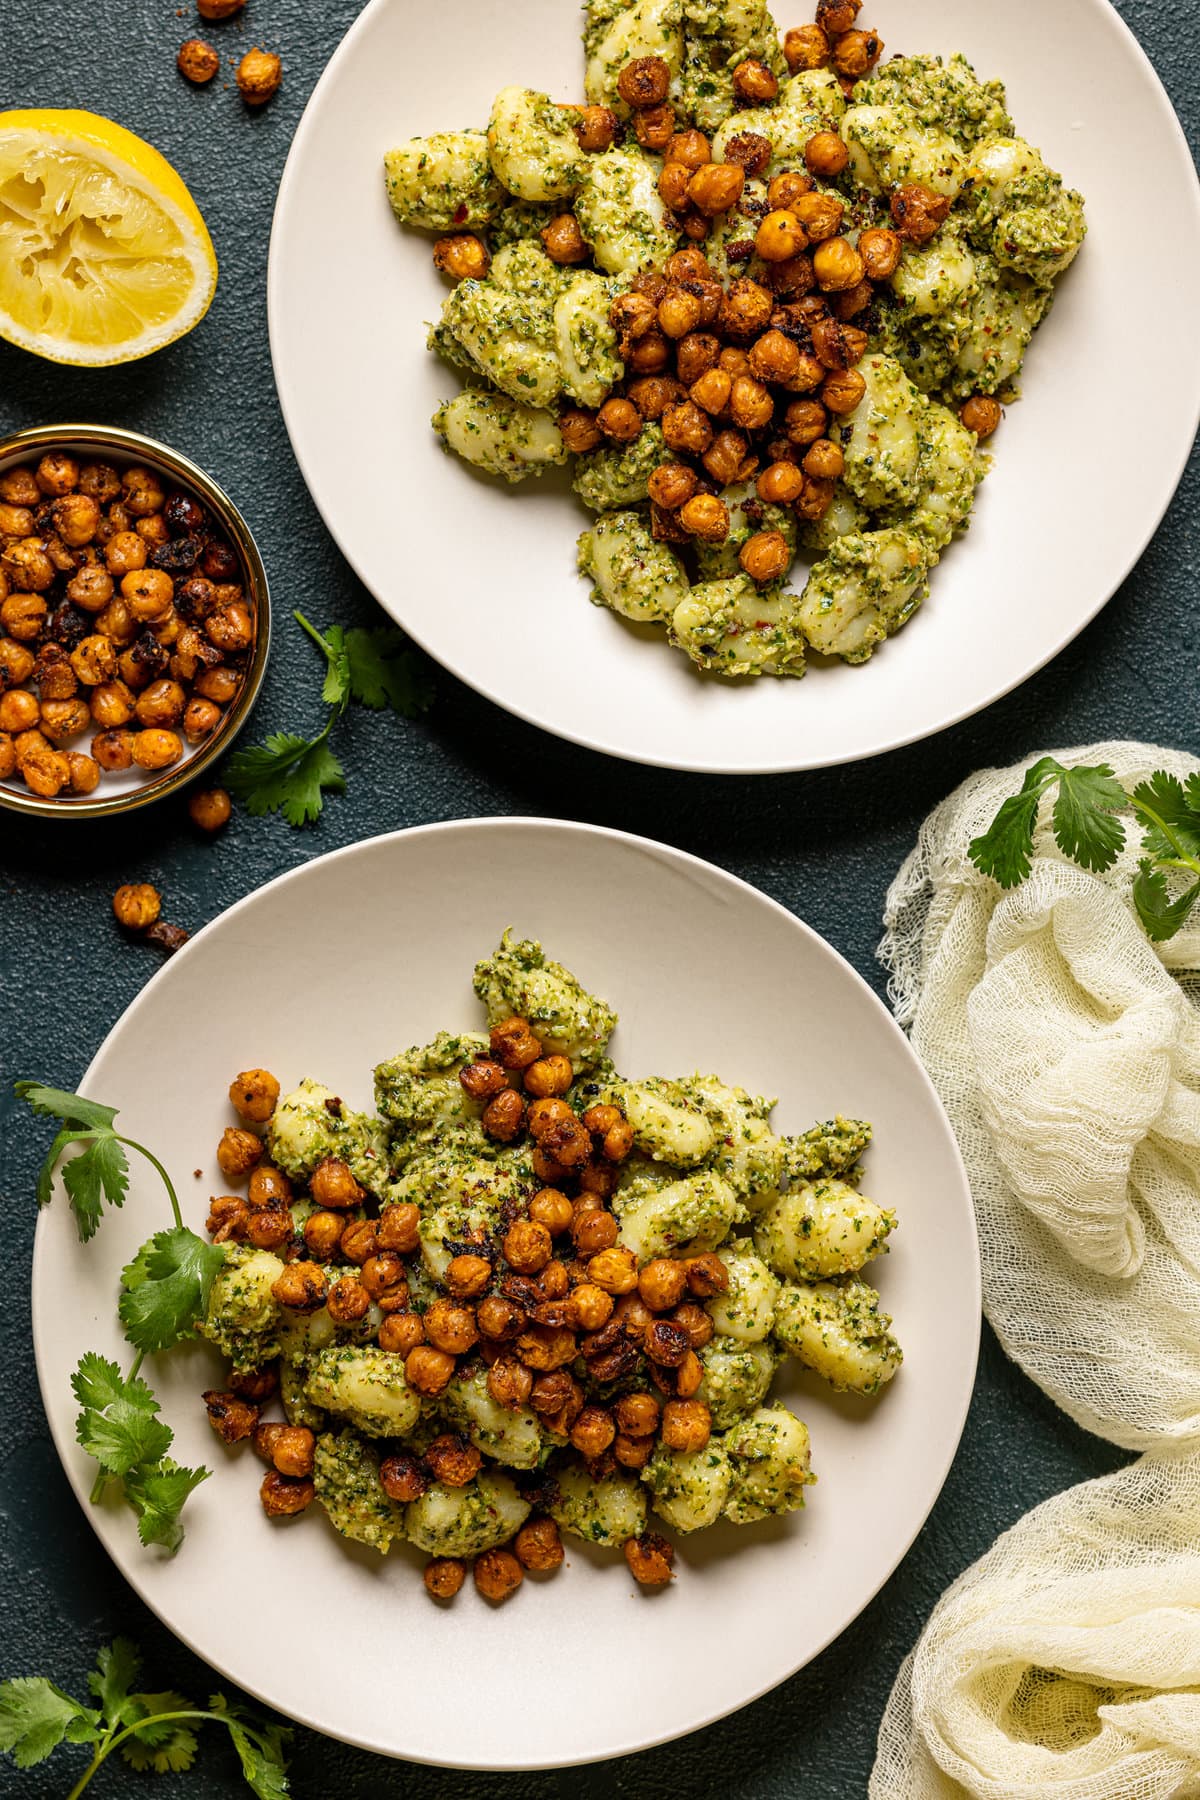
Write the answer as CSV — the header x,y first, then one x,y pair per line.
x,y
1066,1050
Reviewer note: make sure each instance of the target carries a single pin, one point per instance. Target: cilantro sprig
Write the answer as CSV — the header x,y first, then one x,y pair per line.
x,y
291,774
164,1291
1088,829
152,1731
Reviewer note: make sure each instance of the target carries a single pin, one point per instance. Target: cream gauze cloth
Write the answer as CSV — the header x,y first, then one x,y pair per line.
x,y
1066,1049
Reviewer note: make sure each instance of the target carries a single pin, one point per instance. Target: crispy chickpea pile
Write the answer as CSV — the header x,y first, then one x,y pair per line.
x,y
125,628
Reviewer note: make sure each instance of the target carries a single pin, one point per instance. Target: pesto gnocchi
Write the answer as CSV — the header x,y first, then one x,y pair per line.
x,y
530,1297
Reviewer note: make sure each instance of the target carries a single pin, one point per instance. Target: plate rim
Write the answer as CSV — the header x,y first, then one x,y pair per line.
x,y
42,1323
480,684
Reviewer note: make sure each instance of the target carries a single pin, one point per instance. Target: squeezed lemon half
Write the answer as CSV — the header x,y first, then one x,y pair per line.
x,y
104,256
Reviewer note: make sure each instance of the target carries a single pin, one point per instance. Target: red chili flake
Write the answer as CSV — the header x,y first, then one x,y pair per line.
x,y
460,213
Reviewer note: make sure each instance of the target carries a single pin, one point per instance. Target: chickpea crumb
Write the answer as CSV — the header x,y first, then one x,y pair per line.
x,y
259,75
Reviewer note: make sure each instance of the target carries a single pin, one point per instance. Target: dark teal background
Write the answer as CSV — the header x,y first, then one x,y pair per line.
x,y
825,845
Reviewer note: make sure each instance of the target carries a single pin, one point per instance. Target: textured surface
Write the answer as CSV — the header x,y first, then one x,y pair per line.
x,y
825,845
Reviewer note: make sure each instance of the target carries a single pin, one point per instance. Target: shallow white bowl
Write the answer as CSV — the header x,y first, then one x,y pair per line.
x,y
483,575
340,963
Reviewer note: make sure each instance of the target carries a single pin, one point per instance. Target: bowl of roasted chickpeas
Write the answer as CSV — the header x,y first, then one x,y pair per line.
x,y
134,621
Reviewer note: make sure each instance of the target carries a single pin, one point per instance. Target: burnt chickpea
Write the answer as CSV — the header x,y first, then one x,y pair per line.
x,y
856,52
301,1287
464,257
125,553
716,187
450,1326
504,1116
654,126
779,484
509,1382
113,750
725,458
619,420
403,1478
200,720
750,404
593,1431
156,749
62,720
347,1300
54,675
652,394
649,354
650,1557
56,474
19,710
161,703
23,616
665,1343
836,16
754,82
661,1284
526,1246
774,358
746,309
399,1228
805,47
256,1384
710,392
686,1425
136,905
513,1044
230,1417
843,390
497,1573
706,1275
706,518
880,251
482,1079
824,460
282,1496
765,557
671,484
443,1576
804,422
981,415
750,150
596,128
428,1369
333,1184
400,1333
644,82
563,241
686,429
238,1150
588,1307
453,1460
322,1233
538,1546
552,1209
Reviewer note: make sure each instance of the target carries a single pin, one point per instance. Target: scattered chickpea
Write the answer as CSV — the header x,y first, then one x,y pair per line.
x,y
563,241
282,1496
981,415
156,749
650,1558
538,1546
444,1576
464,257
258,76
292,1451
136,906
230,1417
197,61
497,1572
238,1151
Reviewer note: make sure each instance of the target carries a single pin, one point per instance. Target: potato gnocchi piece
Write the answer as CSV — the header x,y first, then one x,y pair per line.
x,y
998,328
499,435
845,516
634,574
746,1310
509,338
889,146
831,1148
719,34
869,585
306,1128
618,476
520,978
770,1460
601,1512
586,343
533,148
747,1152
365,1386
684,1217
616,32
520,222
346,1479
523,268
734,627
809,102
689,1488
936,278
418,1092
951,468
881,438
621,213
948,95
464,1521
823,1228
736,1378
837,1329
443,182
666,1122
1022,212
510,1435
243,1317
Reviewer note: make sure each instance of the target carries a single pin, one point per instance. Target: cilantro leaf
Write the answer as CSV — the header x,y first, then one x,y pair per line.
x,y
98,1174
1161,916
118,1666
35,1717
260,1745
287,774
161,1744
384,670
1084,826
336,688
56,1103
157,1495
118,1424
166,1288
1165,798
1005,851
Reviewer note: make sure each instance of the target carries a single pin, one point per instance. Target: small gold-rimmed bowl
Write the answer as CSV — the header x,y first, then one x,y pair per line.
x,y
127,790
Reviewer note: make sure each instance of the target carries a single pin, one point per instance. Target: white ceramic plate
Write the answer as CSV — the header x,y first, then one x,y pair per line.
x,y
340,963
483,575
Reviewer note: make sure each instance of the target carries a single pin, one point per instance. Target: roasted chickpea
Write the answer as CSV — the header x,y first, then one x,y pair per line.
x,y
161,703
538,1547
686,1425
400,1333
450,1326
347,1300
443,1576
750,403
54,675
527,1246
981,415
593,1231
780,237
230,628
596,1179
593,1431
918,213
774,358
843,390
404,1478
467,1276
383,1274
824,460
652,394
399,1228
125,553
650,1558
464,257
333,1184
596,128
710,392
427,1368
8,756
23,616
113,750
806,47
632,315
804,422
16,521
716,187
637,1414
62,720
238,1150
746,309
688,1376
563,241
200,720
754,82
649,354
453,1460
820,214
136,905
707,518
504,1116
322,1233
156,749
112,704
750,150
880,251
16,662
359,1240
259,75
679,312
632,1452
197,61
588,1307
726,458
19,710
513,1044
614,1270
644,82
301,1287
227,1215
19,488
76,519
90,588
269,1228
661,1284
282,1496
230,1417
497,1572
706,1275
619,420
836,16
837,265
580,432
208,808
826,155
765,556
44,771
671,484
654,126
856,52
686,429
57,473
